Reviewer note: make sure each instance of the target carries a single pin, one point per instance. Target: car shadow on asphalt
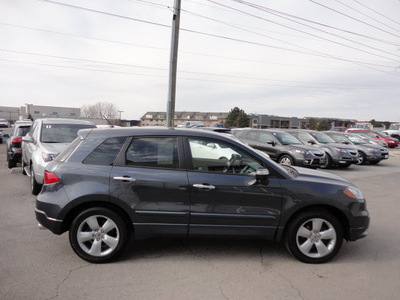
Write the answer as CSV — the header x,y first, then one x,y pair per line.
x,y
204,248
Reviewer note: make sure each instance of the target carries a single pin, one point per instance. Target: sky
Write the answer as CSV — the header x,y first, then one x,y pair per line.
x,y
291,58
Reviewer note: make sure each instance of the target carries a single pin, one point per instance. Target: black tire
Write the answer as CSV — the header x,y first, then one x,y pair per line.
x,y
23,166
328,162
35,186
96,243
286,160
11,163
361,158
314,236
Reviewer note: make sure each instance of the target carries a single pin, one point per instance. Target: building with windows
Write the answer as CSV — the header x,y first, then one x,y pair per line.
x,y
160,118
270,121
40,111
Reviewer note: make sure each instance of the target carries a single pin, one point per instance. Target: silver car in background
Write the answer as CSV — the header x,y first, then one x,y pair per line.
x,y
45,140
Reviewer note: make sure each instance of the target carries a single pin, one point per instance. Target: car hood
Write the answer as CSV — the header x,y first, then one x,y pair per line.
x,y
306,148
320,176
55,148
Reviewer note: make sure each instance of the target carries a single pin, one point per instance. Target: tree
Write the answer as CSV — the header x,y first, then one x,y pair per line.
x,y
313,124
100,110
237,118
323,125
375,123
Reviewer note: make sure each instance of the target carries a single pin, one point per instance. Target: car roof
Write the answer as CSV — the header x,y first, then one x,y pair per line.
x,y
153,131
64,121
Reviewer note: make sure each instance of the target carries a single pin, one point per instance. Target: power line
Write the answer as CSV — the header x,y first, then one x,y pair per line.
x,y
376,12
165,69
355,19
262,8
183,78
320,24
164,49
365,15
214,35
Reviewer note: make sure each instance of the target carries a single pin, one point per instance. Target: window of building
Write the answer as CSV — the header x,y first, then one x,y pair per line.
x,y
213,117
149,116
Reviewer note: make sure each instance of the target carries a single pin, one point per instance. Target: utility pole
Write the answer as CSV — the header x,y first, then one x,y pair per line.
x,y
173,64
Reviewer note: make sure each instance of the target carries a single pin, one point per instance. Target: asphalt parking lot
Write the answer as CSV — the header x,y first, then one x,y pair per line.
x,y
36,264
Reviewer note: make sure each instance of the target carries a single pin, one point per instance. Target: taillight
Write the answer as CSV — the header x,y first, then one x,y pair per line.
x,y
50,178
16,140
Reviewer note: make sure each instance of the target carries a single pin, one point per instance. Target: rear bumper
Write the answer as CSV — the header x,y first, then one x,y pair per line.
x,y
52,224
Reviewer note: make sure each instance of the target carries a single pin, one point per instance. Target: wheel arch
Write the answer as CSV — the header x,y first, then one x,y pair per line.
x,y
281,235
71,215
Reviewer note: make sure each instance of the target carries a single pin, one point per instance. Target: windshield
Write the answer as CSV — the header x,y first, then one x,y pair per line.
x,y
383,134
356,140
394,127
322,138
339,138
286,138
61,133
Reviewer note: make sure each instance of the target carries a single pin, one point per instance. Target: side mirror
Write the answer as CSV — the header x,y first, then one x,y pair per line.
x,y
271,143
27,139
345,142
262,176
311,142
211,145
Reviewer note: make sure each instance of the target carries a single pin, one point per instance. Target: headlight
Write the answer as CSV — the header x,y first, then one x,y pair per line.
x,y
48,156
301,151
354,193
341,150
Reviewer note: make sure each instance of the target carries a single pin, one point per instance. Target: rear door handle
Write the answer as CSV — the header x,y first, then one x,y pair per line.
x,y
204,186
124,178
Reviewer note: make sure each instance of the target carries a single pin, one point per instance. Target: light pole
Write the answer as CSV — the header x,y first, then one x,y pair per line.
x,y
173,64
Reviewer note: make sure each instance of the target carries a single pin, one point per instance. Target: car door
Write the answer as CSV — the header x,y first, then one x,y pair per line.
x,y
224,198
151,178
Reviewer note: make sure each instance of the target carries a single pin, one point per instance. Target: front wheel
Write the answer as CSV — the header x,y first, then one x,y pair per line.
x,y
361,159
314,236
328,162
98,234
35,186
286,160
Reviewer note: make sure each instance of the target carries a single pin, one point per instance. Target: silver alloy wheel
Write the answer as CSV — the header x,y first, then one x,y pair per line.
x,y
98,235
285,160
360,159
316,238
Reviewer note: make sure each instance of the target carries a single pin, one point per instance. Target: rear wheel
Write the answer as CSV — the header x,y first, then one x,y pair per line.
x,y
314,236
98,234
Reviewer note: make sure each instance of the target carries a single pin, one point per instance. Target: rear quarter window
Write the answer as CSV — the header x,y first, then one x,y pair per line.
x,y
106,153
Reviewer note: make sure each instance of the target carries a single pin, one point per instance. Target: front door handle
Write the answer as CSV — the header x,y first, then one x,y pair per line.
x,y
124,178
204,186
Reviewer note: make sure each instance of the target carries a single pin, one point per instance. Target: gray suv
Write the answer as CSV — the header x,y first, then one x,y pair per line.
x,y
110,183
45,140
282,147
336,154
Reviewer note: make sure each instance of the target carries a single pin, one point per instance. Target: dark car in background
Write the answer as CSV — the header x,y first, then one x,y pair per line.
x,y
149,181
14,152
336,154
281,147
368,153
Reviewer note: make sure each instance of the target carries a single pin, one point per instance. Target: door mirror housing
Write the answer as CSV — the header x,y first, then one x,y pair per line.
x,y
28,139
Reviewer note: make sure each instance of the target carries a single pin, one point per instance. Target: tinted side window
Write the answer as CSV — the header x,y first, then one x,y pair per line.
x,y
304,137
266,137
106,153
215,156
156,152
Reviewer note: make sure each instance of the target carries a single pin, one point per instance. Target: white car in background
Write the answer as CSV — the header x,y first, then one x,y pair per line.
x,y
45,140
